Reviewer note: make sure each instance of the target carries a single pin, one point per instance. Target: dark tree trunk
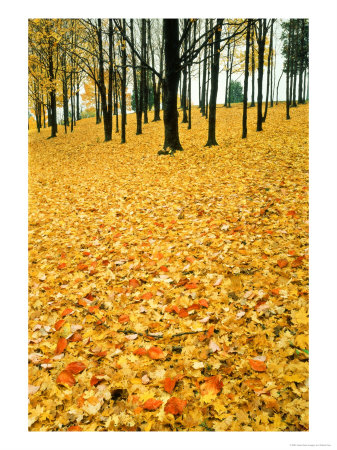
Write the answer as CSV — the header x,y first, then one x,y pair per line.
x,y
261,40
184,87
189,86
143,75
214,86
135,84
304,85
102,88
274,78
245,86
123,93
300,80
53,118
295,46
308,86
288,72
155,85
207,85
252,103
171,43
268,72
43,112
78,114
204,74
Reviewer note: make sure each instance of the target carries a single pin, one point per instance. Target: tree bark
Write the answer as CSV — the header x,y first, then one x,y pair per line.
x,y
184,86
123,87
261,40
268,71
245,86
204,74
288,71
101,83
252,104
214,86
172,70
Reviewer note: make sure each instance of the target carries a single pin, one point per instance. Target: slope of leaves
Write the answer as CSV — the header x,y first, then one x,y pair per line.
x,y
170,293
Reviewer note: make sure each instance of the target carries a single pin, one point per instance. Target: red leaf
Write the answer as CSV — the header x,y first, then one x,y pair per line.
x,y
147,296
212,385
59,324
169,384
140,351
282,263
76,337
76,367
62,266
66,377
175,406
86,253
75,428
191,286
134,283
94,380
298,261
258,366
82,266
203,302
156,353
61,345
163,268
123,318
66,312
152,404
183,313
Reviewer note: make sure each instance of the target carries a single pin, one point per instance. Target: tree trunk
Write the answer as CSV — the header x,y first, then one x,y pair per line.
x,y
268,71
227,72
300,81
214,85
288,72
261,40
101,83
295,46
123,93
78,114
252,103
171,43
230,77
52,93
204,74
304,85
135,84
245,86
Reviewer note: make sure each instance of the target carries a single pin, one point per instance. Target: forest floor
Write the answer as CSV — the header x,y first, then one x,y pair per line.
x,y
170,293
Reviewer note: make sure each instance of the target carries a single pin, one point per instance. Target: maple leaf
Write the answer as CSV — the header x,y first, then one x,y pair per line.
x,y
175,406
257,365
152,404
61,345
66,377
76,367
212,385
134,283
169,384
282,263
67,311
156,353
59,324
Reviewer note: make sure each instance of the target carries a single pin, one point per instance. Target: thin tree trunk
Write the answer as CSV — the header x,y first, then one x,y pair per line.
x,y
245,86
268,72
184,87
227,73
102,88
288,72
252,104
278,84
123,93
261,45
214,85
304,85
204,74
230,77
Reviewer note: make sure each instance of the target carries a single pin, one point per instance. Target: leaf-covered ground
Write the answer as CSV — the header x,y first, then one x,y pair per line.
x,y
170,293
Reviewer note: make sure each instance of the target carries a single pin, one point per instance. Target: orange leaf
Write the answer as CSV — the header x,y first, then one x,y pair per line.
x,y
92,309
94,380
191,286
175,406
66,377
76,367
169,384
212,385
82,266
156,353
258,366
140,351
291,213
66,312
76,337
152,404
190,259
86,253
62,266
210,332
163,268
61,345
298,261
147,296
275,291
282,263
134,283
203,302
82,302
183,313
59,324
75,428
124,318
